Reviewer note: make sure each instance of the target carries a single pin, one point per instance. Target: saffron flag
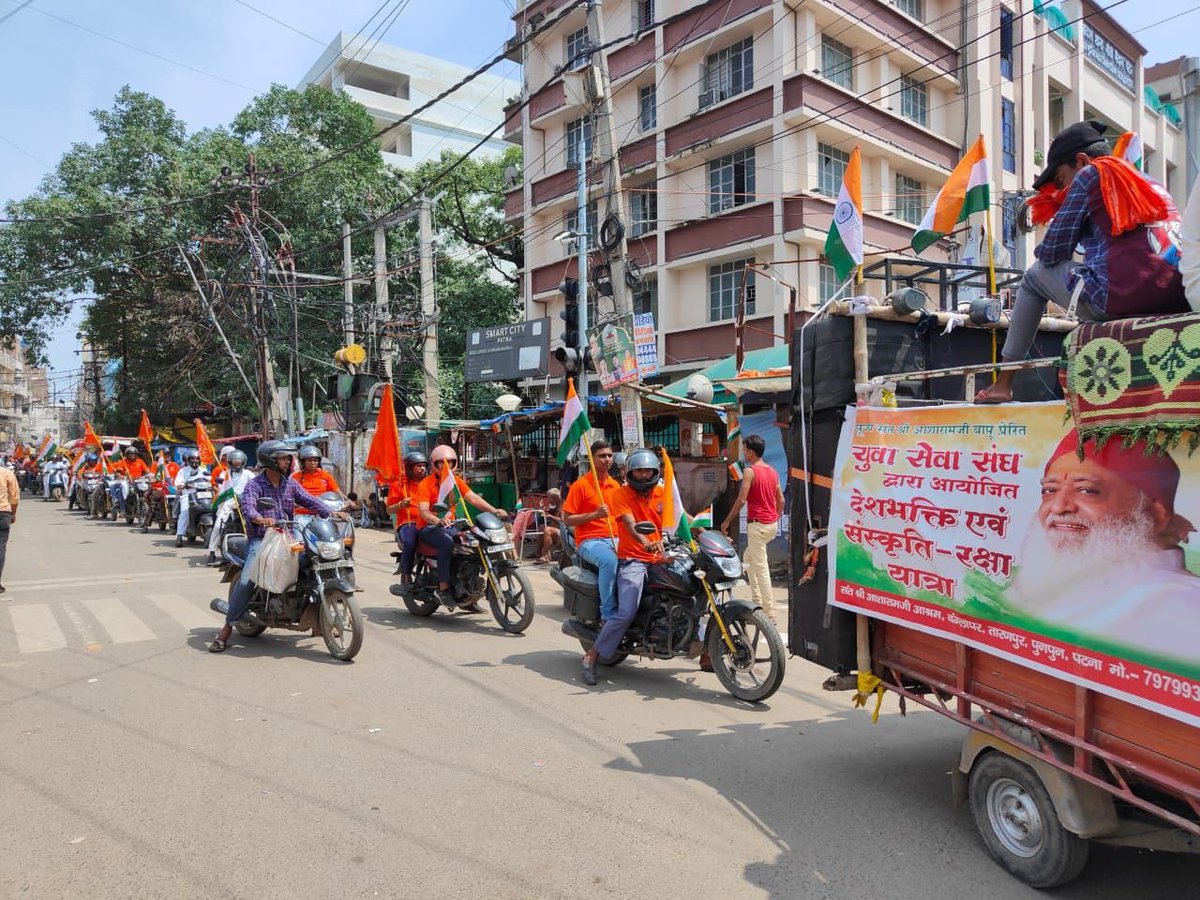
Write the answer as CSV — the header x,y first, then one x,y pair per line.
x,y
1129,148
208,453
675,517
90,439
384,455
145,431
844,245
967,191
575,424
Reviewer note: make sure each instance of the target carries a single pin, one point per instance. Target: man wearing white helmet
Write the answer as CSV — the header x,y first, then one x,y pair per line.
x,y
234,477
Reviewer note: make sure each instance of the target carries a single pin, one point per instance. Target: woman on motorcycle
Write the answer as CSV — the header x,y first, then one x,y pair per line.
x,y
438,531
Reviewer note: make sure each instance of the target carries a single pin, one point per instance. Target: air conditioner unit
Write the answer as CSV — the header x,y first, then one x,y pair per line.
x,y
707,98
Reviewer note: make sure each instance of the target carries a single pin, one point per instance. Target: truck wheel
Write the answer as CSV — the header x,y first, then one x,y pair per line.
x,y
1020,829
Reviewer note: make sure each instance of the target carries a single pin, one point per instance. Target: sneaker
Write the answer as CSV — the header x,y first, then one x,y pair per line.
x,y
178,542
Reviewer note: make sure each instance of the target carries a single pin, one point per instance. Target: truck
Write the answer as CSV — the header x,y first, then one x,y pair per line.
x,y
924,572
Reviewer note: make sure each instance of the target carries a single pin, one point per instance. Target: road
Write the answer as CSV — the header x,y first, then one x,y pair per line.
x,y
448,760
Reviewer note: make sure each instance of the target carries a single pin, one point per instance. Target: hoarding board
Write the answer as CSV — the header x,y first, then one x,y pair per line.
x,y
508,352
613,352
645,340
984,525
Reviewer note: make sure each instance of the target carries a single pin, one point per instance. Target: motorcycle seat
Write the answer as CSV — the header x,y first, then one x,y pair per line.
x,y
199,508
426,550
235,547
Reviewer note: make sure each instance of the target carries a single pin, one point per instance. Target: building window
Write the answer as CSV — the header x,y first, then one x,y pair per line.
x,y
643,211
648,108
1008,227
831,166
645,299
725,284
731,180
837,62
571,224
910,200
914,8
1006,44
577,55
914,100
727,73
643,15
829,283
576,131
1008,134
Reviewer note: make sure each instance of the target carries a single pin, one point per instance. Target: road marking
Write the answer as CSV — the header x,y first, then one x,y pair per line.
x,y
188,613
97,580
36,629
118,620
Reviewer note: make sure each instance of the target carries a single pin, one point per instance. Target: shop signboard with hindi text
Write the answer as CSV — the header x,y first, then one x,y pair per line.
x,y
645,339
985,525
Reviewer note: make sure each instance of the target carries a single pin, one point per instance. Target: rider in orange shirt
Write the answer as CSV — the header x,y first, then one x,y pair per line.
x,y
403,499
314,479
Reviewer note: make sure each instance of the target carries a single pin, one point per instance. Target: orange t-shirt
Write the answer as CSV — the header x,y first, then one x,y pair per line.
x,y
399,490
135,469
427,490
218,472
643,508
316,483
584,497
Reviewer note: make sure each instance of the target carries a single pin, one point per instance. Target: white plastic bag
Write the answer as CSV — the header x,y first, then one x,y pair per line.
x,y
276,568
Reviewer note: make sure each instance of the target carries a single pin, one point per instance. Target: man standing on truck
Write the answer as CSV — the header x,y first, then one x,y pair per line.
x,y
1106,205
762,496
1104,560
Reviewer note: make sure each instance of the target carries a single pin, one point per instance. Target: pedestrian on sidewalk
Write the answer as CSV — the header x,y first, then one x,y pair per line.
x,y
763,498
10,496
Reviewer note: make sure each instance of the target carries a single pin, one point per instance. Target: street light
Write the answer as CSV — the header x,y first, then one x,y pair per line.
x,y
413,413
508,402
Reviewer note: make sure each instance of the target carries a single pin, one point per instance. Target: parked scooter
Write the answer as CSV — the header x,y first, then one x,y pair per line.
x,y
482,564
323,595
687,608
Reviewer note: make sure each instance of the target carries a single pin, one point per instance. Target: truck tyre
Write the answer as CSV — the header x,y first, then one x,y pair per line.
x,y
1019,826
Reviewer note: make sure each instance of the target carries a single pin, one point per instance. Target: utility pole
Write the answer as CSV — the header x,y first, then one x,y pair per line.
x,y
429,346
382,300
347,288
605,146
581,229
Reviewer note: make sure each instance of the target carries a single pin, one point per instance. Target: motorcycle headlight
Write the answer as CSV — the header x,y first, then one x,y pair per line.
x,y
497,535
329,549
730,566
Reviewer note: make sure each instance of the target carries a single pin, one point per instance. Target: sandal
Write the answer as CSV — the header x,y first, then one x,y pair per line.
x,y
217,646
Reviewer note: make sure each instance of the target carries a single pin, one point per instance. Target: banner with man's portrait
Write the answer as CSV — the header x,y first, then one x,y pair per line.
x,y
989,525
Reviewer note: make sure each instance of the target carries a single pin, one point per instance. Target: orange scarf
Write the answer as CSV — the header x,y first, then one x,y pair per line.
x,y
1129,198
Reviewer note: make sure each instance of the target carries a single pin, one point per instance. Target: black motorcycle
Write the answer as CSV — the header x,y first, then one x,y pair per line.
x,y
322,597
83,489
482,564
135,502
687,608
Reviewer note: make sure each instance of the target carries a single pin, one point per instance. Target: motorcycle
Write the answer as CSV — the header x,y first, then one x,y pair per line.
x,y
482,563
157,507
200,509
81,494
687,606
135,503
57,485
30,480
100,503
323,595
334,501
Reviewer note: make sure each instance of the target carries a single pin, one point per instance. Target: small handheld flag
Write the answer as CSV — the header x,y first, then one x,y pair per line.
x,y
575,425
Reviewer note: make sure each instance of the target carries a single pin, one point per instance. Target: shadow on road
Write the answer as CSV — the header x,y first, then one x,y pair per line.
x,y
400,619
826,791
271,644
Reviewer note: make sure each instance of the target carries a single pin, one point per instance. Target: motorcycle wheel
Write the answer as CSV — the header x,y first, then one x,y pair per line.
x,y
242,627
341,625
514,608
753,670
56,494
129,515
420,608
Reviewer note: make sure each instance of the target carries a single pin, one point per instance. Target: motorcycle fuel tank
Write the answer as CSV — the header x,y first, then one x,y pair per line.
x,y
672,576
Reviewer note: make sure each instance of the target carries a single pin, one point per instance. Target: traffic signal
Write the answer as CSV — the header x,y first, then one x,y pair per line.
x,y
570,317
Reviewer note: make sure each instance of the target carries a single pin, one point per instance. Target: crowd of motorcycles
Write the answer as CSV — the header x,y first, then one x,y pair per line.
x,y
687,608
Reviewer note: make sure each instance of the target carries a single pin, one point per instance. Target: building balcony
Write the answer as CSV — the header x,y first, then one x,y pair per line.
x,y
814,213
888,22
514,204
632,57
717,341
512,121
706,19
740,225
716,121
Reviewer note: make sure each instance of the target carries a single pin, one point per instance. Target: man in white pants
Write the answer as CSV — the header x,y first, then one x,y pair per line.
x,y
763,499
58,464
193,469
236,476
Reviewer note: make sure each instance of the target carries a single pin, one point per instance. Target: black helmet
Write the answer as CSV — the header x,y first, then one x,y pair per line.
x,y
643,459
416,458
236,459
309,451
269,450
131,451
92,457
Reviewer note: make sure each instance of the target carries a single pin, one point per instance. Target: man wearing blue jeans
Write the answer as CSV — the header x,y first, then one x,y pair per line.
x,y
588,512
275,459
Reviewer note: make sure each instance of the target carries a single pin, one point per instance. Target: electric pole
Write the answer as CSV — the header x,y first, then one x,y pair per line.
x,y
347,288
604,139
581,230
429,344
382,301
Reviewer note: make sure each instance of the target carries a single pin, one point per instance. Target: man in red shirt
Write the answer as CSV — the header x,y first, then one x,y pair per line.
x,y
639,500
313,478
763,498
403,499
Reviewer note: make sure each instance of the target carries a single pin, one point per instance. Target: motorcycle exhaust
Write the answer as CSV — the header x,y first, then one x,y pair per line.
x,y
557,574
580,631
219,606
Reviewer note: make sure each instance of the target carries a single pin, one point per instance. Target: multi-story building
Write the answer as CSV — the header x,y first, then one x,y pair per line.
x,y
14,391
735,121
392,82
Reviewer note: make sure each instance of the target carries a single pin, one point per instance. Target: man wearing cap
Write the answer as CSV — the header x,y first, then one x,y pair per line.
x,y
1104,560
1106,205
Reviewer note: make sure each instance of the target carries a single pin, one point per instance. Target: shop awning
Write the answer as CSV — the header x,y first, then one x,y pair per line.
x,y
720,373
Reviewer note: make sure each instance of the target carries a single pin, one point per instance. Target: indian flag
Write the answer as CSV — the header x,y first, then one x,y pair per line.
x,y
968,191
575,425
1129,148
704,518
448,492
47,449
675,517
79,461
844,245
160,471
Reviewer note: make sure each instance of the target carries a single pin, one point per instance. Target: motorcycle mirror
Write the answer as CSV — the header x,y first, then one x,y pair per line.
x,y
264,504
645,528
441,509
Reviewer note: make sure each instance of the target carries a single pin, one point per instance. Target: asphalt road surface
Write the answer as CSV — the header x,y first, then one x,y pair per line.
x,y
448,760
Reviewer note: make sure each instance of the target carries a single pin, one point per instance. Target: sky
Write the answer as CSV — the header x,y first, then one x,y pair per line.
x,y
57,73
